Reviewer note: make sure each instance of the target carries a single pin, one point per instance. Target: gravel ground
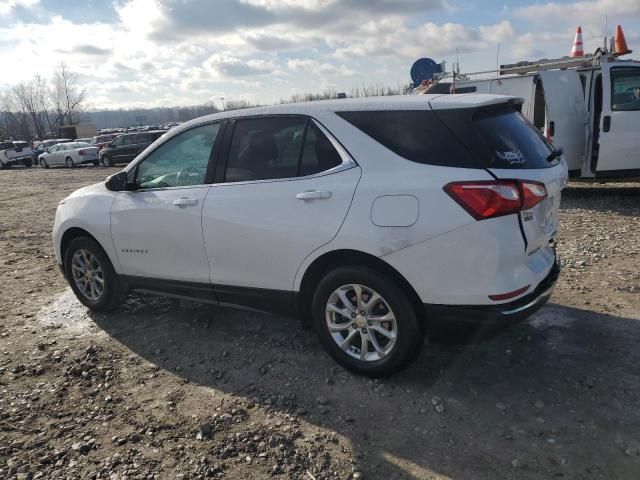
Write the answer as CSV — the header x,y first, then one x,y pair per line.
x,y
166,389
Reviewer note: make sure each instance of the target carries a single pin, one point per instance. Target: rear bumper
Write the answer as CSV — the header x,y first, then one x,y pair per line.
x,y
447,317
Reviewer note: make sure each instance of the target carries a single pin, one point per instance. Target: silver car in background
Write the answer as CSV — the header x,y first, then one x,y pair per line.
x,y
69,154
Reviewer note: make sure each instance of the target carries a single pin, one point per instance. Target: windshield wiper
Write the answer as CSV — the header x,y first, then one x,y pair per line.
x,y
555,154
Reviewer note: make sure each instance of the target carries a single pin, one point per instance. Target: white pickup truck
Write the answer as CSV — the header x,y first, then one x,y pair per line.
x,y
12,153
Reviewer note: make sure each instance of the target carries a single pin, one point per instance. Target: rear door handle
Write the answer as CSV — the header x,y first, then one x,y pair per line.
x,y
313,195
185,202
606,123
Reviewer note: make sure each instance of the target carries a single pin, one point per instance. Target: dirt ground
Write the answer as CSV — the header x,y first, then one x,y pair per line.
x,y
167,389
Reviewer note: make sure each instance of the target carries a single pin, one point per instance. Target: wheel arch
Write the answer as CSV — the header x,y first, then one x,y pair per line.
x,y
346,257
75,232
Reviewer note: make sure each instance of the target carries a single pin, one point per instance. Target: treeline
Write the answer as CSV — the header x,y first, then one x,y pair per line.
x,y
156,116
36,109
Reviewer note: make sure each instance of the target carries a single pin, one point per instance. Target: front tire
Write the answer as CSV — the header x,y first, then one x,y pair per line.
x,y
91,275
366,322
106,161
43,163
28,163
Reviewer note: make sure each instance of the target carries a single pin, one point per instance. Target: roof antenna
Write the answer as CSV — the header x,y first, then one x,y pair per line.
x,y
457,61
606,33
498,60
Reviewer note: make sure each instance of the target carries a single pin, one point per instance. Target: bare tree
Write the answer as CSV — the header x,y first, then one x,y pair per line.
x,y
24,94
67,96
14,124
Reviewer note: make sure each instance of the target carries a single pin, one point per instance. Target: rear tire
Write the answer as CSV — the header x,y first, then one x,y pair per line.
x,y
388,329
98,286
69,162
95,163
28,163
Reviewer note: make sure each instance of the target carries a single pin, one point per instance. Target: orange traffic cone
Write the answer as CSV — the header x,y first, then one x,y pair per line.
x,y
620,42
577,50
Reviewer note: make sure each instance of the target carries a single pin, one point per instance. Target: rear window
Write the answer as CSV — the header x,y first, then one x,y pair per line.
x,y
501,136
485,137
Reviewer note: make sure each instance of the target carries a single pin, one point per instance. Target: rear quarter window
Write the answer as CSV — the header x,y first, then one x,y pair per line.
x,y
484,137
417,135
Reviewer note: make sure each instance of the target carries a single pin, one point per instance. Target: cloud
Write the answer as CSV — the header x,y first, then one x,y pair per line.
x,y
220,65
318,68
176,20
8,6
91,50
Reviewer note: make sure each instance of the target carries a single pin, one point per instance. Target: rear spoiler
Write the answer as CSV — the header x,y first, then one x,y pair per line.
x,y
475,100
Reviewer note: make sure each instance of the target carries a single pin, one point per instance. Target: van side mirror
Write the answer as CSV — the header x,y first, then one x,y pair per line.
x,y
117,182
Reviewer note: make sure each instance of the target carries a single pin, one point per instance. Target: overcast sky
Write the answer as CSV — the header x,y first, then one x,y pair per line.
x,y
185,52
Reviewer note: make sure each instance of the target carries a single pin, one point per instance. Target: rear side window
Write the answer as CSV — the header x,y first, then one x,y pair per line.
x,y
6,146
278,147
417,135
485,137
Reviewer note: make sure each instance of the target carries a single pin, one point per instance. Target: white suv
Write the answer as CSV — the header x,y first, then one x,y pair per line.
x,y
377,220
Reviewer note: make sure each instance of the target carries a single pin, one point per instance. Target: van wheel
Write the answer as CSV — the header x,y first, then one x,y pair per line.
x,y
91,275
43,163
365,321
68,162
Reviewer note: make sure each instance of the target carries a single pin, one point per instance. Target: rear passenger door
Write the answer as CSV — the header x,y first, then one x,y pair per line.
x,y
283,191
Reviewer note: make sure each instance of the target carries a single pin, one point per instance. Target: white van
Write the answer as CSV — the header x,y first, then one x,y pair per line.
x,y
589,107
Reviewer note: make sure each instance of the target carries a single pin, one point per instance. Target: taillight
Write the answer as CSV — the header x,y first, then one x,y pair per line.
x,y
533,193
81,152
496,198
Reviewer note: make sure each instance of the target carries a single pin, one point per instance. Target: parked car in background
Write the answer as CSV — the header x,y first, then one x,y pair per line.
x,y
69,154
41,146
15,152
101,141
126,147
83,140
374,219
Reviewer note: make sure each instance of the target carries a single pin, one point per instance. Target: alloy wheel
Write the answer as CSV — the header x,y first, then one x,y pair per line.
x,y
87,274
361,322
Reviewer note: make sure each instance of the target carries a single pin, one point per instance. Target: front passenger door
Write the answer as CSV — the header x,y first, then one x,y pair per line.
x,y
157,226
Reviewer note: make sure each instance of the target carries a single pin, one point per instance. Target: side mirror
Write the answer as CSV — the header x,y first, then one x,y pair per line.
x,y
117,182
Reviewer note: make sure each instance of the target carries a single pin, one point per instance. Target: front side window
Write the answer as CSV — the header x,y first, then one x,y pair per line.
x,y
625,89
181,161
117,142
278,147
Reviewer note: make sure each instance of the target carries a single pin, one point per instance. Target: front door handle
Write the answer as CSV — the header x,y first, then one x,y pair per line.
x,y
606,123
185,202
313,195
